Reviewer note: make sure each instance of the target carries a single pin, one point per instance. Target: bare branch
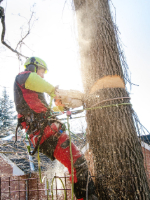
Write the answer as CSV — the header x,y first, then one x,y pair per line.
x,y
2,16
29,29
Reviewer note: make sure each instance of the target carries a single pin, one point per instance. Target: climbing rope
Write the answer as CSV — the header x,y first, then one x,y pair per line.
x,y
72,171
39,166
65,195
94,108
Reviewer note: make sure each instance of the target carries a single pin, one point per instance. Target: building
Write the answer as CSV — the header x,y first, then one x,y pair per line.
x,y
20,178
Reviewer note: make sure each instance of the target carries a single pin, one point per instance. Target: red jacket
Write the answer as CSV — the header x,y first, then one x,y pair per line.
x,y
27,101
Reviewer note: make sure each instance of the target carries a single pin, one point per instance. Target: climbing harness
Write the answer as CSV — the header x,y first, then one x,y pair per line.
x,y
38,122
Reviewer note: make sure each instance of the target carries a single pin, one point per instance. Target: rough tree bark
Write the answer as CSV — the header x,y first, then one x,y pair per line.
x,y
111,131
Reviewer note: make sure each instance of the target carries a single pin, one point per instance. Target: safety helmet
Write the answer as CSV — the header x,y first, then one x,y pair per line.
x,y
38,62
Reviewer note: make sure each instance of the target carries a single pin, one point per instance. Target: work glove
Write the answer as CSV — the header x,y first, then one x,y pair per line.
x,y
58,109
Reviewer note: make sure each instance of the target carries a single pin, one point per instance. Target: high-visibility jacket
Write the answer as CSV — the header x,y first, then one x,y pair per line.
x,y
29,91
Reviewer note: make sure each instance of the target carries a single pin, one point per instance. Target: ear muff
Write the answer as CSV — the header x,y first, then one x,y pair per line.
x,y
31,68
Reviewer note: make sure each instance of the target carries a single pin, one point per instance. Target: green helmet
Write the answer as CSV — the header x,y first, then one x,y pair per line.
x,y
38,62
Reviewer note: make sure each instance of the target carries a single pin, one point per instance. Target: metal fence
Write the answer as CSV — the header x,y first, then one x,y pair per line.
x,y
30,188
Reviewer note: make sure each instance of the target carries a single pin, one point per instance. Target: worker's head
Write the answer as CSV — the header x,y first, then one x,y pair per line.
x,y
35,64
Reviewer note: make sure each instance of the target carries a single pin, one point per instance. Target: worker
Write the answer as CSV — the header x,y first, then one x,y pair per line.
x,y
48,133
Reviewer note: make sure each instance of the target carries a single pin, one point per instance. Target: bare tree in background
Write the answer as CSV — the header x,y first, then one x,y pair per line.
x,y
23,35
112,131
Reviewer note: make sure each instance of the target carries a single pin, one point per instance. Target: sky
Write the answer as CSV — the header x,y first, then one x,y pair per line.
x,y
132,18
53,38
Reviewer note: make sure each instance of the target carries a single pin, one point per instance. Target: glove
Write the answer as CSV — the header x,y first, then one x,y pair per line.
x,y
58,108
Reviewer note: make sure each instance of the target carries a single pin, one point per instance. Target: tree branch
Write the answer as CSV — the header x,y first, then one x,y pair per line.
x,y
2,16
29,29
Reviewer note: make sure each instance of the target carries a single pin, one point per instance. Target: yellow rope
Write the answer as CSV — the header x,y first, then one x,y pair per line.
x,y
72,171
99,107
65,195
39,166
111,105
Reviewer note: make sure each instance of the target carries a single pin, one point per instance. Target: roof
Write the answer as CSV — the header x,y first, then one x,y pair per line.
x,y
18,155
145,138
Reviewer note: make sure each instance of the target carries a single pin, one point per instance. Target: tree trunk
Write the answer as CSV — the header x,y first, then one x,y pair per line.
x,y
111,131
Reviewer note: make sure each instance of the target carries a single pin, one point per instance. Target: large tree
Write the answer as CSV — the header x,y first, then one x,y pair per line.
x,y
112,134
